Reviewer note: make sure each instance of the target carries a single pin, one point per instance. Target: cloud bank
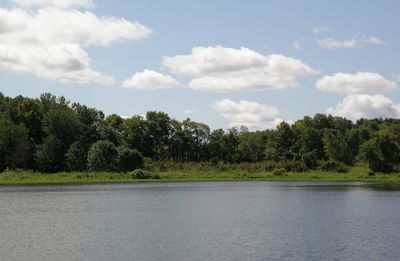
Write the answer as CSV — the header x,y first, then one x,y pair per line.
x,y
49,41
247,113
227,69
361,82
359,106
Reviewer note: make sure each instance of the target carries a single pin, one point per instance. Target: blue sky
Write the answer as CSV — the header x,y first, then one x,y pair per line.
x,y
353,44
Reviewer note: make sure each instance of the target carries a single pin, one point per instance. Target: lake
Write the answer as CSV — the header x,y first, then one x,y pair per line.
x,y
200,221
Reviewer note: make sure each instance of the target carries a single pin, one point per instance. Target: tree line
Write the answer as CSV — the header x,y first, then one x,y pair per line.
x,y
50,134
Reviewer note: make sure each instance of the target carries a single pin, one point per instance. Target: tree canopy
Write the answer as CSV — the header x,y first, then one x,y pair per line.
x,y
51,134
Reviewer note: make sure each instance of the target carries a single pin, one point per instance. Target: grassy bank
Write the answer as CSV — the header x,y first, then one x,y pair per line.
x,y
31,178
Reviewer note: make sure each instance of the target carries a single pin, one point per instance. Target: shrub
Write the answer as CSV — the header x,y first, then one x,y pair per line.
x,y
334,166
103,156
371,174
270,165
129,159
279,172
141,174
295,166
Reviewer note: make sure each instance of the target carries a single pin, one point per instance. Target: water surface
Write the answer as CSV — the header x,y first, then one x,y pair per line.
x,y
200,221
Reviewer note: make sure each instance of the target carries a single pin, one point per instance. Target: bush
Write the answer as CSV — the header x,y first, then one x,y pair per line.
x,y
334,166
129,159
279,172
295,166
103,156
371,174
141,174
270,165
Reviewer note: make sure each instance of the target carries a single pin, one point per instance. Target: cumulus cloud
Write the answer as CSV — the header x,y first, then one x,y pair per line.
x,y
54,3
228,69
64,63
247,113
49,42
331,43
150,80
361,82
359,106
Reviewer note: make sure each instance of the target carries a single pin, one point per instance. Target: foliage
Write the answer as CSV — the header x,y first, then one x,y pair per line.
x,y
49,156
129,159
76,157
334,166
141,174
103,156
279,172
382,152
295,166
50,134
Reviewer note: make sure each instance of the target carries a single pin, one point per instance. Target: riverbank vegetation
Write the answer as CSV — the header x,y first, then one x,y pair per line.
x,y
52,135
355,174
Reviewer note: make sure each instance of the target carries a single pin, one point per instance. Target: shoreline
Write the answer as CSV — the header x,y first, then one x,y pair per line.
x,y
28,178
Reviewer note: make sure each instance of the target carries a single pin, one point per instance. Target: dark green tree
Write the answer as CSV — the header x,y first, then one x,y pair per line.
x,y
103,156
49,156
129,159
382,152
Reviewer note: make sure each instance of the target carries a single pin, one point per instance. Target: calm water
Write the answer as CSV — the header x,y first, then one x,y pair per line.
x,y
199,221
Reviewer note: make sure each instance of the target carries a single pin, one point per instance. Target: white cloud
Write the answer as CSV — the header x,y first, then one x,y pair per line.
x,y
246,113
320,29
361,82
54,3
331,43
227,69
359,106
64,63
150,80
54,26
371,40
296,45
49,42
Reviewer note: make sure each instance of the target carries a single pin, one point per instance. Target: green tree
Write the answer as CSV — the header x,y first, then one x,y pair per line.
x,y
30,113
337,146
49,156
285,140
76,157
158,132
382,152
15,146
129,159
251,146
103,156
63,124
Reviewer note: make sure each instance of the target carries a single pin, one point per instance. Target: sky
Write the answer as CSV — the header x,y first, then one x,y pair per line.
x,y
224,63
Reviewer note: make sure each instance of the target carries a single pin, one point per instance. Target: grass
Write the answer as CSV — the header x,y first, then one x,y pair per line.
x,y
356,174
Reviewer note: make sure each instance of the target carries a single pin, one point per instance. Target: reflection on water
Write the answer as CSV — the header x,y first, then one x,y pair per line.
x,y
201,221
